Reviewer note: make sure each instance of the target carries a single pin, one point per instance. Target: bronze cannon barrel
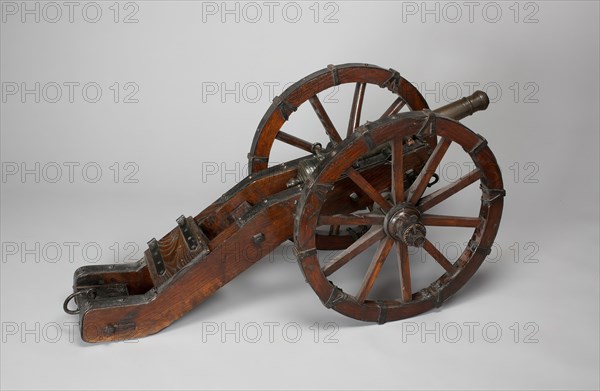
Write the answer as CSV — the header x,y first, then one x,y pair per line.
x,y
464,107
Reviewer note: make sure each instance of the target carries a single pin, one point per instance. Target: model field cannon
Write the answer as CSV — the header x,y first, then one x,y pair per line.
x,y
371,186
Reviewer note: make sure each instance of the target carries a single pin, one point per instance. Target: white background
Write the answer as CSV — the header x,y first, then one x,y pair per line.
x,y
541,289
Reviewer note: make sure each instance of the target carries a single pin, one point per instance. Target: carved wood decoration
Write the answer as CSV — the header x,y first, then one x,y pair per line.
x,y
367,188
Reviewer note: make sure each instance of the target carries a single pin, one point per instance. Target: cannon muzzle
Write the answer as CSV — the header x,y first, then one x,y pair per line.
x,y
465,107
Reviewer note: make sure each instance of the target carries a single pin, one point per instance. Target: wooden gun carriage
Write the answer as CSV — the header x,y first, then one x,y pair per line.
x,y
366,187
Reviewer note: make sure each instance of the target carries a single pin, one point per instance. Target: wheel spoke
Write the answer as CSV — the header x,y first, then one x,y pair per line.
x,y
355,111
450,221
368,189
439,257
369,238
294,141
333,134
381,254
447,191
418,187
404,267
334,230
394,108
397,170
365,219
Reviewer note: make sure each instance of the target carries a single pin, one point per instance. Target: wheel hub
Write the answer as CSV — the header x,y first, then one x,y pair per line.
x,y
403,223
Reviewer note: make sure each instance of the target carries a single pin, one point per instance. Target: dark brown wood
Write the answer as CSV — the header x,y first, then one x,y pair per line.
x,y
416,190
394,108
367,240
398,170
330,129
364,219
368,189
404,268
443,193
450,221
381,254
332,209
405,221
325,82
335,242
294,141
356,109
334,229
438,256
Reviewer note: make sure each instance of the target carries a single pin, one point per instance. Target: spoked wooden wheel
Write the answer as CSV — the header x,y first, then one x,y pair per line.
x,y
401,219
306,90
403,96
